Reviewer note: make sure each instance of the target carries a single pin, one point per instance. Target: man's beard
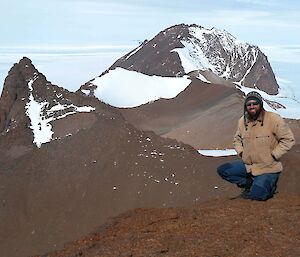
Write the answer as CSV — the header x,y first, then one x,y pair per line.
x,y
255,115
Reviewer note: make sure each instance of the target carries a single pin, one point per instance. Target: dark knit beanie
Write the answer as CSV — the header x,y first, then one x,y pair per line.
x,y
253,95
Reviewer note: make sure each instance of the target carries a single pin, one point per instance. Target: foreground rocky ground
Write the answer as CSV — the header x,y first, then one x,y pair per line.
x,y
219,228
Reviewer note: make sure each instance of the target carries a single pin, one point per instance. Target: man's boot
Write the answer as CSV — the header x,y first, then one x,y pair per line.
x,y
245,188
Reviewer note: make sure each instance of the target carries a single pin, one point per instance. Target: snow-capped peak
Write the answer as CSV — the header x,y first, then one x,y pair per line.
x,y
218,51
181,49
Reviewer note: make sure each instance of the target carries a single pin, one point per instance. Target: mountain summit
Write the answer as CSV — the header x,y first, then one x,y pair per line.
x,y
182,49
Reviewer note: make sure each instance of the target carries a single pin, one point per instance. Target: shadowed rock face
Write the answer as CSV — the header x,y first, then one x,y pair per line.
x,y
15,95
155,57
246,63
262,76
15,91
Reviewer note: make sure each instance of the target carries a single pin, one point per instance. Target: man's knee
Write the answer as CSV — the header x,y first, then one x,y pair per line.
x,y
262,190
259,193
222,169
264,186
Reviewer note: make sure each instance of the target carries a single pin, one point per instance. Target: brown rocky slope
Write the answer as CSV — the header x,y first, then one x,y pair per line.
x,y
203,115
223,228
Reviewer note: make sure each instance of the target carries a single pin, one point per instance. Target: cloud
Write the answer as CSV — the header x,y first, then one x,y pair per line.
x,y
63,48
132,9
45,52
282,53
237,16
258,18
259,2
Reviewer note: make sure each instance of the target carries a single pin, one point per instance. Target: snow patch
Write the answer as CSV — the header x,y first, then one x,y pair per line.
x,y
42,130
125,89
202,78
40,117
192,57
218,153
85,91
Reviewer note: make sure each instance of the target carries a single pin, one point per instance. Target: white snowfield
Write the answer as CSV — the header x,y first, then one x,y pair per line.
x,y
192,58
124,89
218,153
40,117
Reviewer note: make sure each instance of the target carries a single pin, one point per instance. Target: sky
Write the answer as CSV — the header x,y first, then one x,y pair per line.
x,y
73,41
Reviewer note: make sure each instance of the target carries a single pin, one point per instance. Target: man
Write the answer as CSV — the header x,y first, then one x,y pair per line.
x,y
261,139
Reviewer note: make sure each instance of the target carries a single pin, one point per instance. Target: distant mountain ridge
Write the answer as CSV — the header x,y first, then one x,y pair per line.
x,y
182,49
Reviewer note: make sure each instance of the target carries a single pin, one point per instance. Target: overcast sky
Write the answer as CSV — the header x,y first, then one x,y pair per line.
x,y
93,33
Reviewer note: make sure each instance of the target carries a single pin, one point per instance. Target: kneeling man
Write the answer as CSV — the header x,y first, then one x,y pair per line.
x,y
261,139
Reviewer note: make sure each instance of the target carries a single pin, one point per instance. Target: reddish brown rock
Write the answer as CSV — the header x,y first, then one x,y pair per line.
x,y
217,228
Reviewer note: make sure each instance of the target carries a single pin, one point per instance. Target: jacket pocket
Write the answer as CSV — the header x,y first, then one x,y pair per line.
x,y
263,150
246,156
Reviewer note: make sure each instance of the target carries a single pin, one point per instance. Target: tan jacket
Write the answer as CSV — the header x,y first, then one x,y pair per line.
x,y
261,143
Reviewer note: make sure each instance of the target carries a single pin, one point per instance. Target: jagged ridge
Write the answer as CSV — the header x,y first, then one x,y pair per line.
x,y
28,100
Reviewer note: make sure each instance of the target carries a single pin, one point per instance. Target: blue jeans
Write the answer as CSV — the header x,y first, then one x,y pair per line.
x,y
263,186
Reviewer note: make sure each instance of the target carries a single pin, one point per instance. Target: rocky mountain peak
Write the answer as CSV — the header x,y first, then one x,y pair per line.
x,y
14,94
182,49
30,101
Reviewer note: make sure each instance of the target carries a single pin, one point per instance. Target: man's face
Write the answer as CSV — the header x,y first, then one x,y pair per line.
x,y
253,108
